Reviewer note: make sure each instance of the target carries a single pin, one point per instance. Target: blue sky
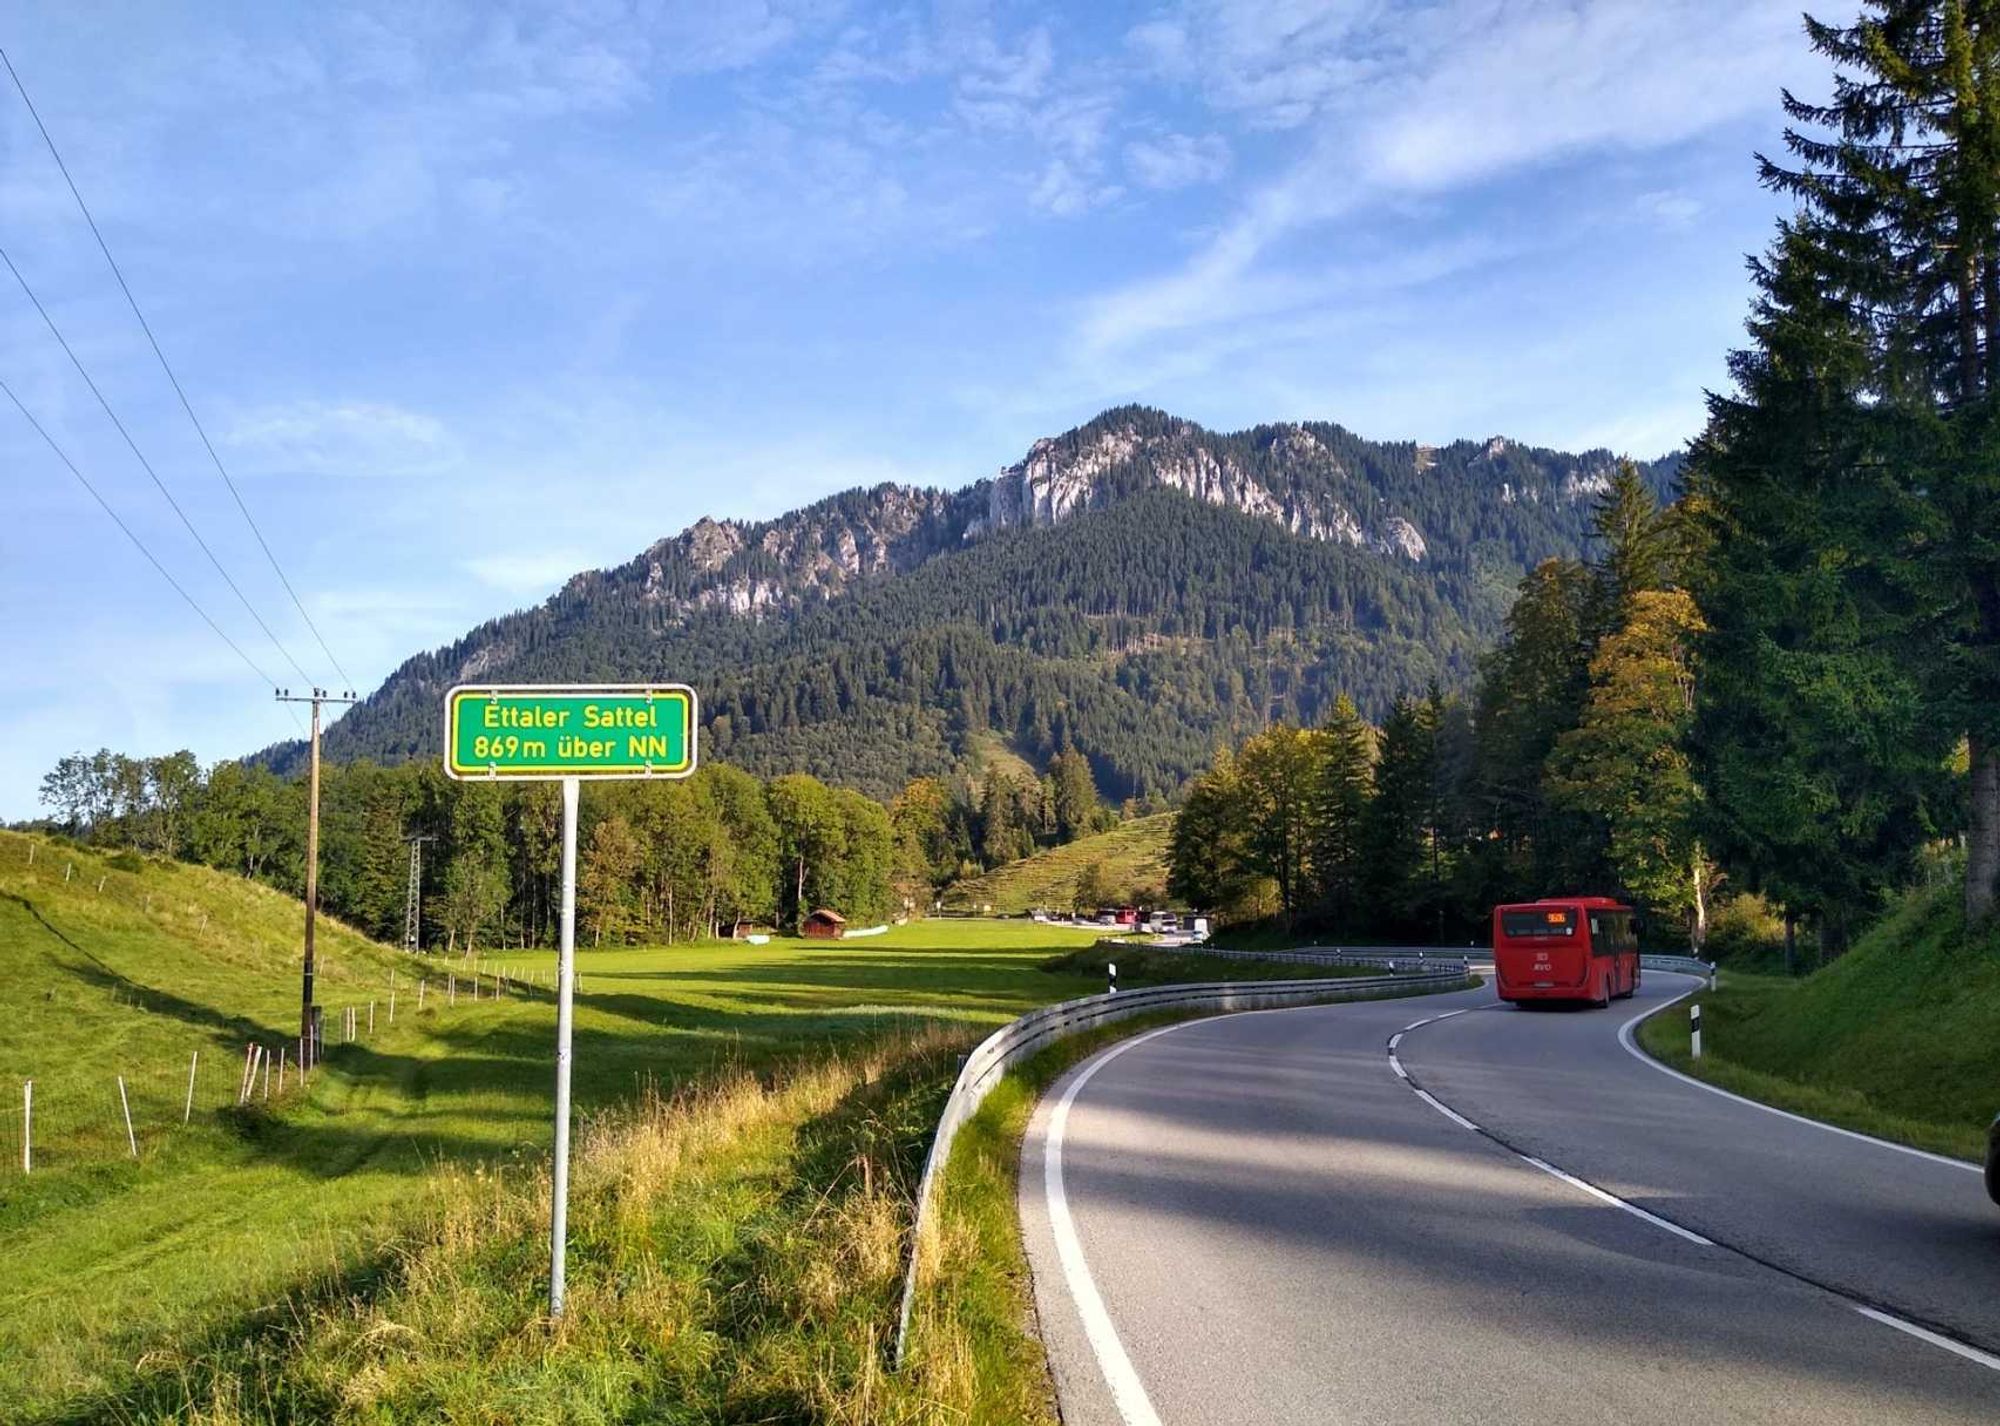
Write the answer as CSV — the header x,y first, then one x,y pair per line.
x,y
475,295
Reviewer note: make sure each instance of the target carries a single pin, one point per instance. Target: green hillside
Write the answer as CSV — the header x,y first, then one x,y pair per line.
x,y
893,627
114,1263
117,965
1133,856
1900,1037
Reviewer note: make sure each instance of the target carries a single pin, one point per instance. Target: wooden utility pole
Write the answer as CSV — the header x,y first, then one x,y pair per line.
x,y
308,1039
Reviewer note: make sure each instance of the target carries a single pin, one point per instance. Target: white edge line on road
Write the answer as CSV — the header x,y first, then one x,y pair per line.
x,y
1924,1334
1614,1200
1135,1408
1625,1038
1446,1110
1396,1039
1127,1391
1548,1168
1971,1354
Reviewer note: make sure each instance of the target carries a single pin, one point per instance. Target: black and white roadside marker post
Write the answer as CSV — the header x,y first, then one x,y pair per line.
x,y
1111,971
1694,1030
560,733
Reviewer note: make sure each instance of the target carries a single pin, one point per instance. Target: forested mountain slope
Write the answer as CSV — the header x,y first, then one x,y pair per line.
x,y
1139,587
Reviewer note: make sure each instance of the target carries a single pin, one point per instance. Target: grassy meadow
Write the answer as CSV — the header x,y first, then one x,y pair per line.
x,y
1899,1038
116,1266
1133,853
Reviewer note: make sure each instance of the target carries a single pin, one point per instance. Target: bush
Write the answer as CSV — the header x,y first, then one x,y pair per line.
x,y
127,860
1745,929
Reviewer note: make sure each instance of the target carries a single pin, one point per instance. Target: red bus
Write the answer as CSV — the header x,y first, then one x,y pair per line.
x,y
1566,948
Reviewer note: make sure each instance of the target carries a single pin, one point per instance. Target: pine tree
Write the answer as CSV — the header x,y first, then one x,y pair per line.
x,y
1897,241
1205,861
1396,828
1635,547
1073,795
1340,804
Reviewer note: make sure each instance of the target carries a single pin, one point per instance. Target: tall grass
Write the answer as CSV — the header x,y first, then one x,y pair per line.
x,y
735,1253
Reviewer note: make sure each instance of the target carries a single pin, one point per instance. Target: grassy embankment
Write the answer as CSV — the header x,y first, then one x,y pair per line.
x,y
120,1272
1132,854
755,1118
1899,1038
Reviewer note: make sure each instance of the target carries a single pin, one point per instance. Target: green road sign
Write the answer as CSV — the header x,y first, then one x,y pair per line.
x,y
554,731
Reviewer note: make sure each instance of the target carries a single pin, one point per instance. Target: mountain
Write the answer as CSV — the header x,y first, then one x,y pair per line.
x,y
1138,587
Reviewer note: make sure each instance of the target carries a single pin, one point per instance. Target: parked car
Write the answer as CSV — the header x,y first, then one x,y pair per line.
x,y
1993,1160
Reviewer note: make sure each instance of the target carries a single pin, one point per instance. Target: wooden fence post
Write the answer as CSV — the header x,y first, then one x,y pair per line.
x,y
126,1105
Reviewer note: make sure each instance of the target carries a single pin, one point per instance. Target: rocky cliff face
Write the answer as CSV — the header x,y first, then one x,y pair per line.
x,y
1064,474
1315,481
925,598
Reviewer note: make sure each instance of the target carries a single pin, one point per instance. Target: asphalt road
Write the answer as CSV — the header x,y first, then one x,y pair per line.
x,y
1255,1219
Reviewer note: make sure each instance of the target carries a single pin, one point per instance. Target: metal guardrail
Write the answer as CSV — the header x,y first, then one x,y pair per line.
x,y
1018,1039
1691,965
1390,957
1396,956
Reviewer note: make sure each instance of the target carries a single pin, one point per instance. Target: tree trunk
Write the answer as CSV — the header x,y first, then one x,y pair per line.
x,y
1982,840
1698,925
1791,941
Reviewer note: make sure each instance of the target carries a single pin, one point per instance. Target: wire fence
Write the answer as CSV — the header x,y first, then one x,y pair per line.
x,y
109,1107
95,1113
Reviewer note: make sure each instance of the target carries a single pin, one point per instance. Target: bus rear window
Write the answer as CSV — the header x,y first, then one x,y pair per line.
x,y
1540,921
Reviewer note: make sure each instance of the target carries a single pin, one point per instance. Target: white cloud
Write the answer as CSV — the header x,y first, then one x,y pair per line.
x,y
1177,160
347,438
1403,105
1670,207
519,573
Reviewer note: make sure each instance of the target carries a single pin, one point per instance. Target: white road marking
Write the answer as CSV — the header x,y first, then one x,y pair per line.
x,y
1396,1039
1971,1354
1548,1168
1625,1038
1613,1199
1135,1408
1446,1110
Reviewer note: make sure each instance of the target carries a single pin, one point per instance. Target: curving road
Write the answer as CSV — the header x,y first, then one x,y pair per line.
x,y
1273,1217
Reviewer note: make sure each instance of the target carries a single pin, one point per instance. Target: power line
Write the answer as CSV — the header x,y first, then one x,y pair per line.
x,y
140,456
138,543
174,380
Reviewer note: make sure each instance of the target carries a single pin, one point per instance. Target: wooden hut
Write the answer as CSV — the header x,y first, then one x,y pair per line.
x,y
824,925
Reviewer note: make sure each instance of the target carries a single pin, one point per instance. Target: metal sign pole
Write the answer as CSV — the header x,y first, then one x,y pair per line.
x,y
565,975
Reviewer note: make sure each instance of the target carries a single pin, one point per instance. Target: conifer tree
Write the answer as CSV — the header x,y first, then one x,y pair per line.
x,y
1895,256
1396,829
1339,807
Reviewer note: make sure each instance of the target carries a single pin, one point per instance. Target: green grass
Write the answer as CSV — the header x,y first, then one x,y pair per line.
x,y
988,753
1899,1038
113,1262
1132,853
